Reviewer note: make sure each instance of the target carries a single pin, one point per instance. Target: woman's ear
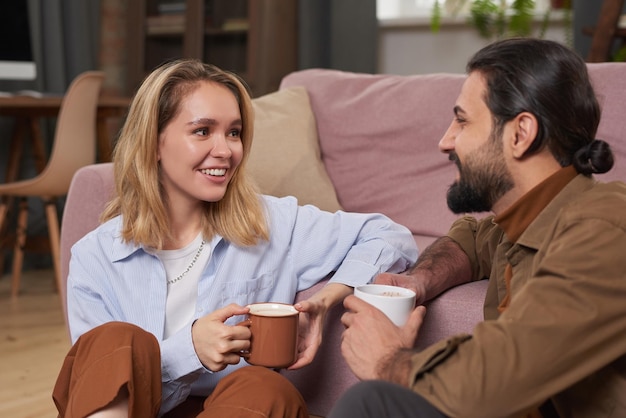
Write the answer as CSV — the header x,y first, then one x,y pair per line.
x,y
526,128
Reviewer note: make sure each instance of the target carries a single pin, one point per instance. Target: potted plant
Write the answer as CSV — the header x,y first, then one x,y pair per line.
x,y
496,19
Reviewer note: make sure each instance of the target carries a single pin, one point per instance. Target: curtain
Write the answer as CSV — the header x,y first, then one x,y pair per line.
x,y
66,36
338,34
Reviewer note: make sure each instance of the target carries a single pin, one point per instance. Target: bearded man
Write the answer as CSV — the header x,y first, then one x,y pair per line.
x,y
553,342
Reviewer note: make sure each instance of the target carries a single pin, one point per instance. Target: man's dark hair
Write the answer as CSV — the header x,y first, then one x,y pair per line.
x,y
550,81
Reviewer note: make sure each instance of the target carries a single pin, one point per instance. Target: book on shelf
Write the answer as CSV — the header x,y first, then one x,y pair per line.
x,y
236,24
172,6
165,24
175,24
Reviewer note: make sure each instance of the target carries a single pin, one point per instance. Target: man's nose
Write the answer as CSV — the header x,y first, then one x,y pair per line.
x,y
446,143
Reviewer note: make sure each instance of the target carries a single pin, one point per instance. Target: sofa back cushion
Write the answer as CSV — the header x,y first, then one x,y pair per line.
x,y
609,83
285,156
378,138
379,134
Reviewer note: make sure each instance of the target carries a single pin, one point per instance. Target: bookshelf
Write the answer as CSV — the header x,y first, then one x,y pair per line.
x,y
256,39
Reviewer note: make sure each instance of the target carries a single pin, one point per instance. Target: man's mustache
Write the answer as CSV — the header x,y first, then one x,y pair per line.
x,y
452,156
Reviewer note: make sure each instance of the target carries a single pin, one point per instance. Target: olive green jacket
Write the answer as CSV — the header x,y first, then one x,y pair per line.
x,y
563,335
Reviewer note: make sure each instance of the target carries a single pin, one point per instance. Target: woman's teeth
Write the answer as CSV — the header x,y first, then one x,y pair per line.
x,y
214,171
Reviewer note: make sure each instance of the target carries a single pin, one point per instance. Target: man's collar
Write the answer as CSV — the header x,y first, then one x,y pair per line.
x,y
523,212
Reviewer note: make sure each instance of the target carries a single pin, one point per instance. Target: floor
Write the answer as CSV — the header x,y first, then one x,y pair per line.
x,y
33,343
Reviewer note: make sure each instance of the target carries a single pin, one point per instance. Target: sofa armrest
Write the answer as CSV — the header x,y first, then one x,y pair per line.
x,y
456,311
324,381
90,190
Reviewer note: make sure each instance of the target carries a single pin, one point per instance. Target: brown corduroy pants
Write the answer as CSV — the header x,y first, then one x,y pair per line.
x,y
117,355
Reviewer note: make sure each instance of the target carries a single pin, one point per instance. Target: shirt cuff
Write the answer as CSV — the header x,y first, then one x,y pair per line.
x,y
179,357
354,273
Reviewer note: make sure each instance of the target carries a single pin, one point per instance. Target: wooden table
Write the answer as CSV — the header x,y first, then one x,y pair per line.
x,y
29,110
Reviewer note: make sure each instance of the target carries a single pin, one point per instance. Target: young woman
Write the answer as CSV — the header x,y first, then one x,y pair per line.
x,y
155,293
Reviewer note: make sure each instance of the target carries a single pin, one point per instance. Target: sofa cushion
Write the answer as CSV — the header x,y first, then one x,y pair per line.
x,y
609,83
378,137
379,134
285,157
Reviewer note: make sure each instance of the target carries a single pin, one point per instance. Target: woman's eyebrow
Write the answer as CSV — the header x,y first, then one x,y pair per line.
x,y
203,121
212,122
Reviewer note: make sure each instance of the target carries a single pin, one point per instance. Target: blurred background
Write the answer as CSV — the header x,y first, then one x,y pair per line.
x,y
262,40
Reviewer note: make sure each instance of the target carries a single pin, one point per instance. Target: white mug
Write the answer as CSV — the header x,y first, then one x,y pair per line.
x,y
395,302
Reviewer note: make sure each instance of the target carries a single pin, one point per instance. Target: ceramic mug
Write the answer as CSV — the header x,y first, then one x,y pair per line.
x,y
395,302
274,340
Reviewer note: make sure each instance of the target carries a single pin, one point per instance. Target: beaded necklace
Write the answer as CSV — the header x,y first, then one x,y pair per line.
x,y
190,266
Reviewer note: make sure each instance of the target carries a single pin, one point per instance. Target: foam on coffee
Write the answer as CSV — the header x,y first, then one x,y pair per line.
x,y
391,294
272,312
272,309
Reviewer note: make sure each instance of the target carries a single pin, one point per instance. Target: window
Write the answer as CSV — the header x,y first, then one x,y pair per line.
x,y
394,9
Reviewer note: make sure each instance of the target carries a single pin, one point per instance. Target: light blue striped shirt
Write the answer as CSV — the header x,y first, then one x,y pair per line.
x,y
113,281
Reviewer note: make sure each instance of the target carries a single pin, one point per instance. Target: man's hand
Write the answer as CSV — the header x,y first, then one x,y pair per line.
x,y
441,266
402,280
370,338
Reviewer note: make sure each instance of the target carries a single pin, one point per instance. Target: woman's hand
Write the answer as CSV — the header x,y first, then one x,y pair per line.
x,y
313,314
218,345
309,331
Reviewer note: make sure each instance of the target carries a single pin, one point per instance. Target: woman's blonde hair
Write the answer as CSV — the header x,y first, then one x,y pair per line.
x,y
239,216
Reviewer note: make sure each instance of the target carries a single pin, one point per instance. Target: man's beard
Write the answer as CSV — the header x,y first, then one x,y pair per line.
x,y
483,179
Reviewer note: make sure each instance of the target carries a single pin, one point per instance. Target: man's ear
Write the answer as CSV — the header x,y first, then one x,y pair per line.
x,y
525,127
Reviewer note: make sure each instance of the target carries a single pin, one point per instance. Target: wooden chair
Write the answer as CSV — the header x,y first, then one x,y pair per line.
x,y
74,146
606,31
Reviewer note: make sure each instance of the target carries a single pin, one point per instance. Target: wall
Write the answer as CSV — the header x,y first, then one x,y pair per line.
x,y
408,46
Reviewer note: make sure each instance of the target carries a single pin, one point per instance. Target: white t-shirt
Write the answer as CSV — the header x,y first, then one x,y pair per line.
x,y
183,274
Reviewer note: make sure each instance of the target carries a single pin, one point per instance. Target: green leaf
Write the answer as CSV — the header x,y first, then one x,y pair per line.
x,y
499,19
435,18
522,18
482,14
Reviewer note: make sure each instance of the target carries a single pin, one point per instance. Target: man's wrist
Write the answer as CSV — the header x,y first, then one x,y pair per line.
x,y
397,367
420,278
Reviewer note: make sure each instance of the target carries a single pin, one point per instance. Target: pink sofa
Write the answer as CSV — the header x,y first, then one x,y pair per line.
x,y
374,149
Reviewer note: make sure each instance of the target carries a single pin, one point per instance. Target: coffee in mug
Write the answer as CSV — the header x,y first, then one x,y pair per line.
x,y
274,340
394,301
